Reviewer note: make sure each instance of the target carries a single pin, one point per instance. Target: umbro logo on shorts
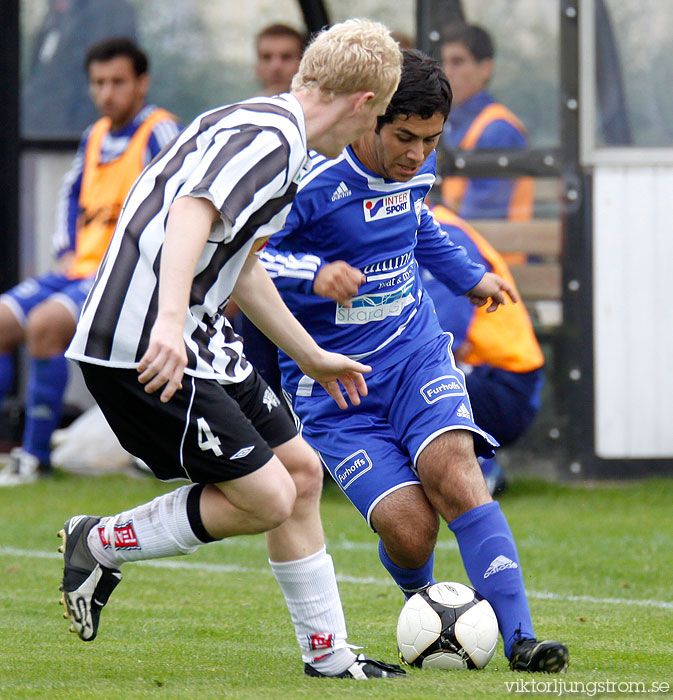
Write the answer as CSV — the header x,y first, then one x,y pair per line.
x,y
243,452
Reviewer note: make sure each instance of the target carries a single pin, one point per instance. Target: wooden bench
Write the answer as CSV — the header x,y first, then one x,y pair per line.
x,y
539,280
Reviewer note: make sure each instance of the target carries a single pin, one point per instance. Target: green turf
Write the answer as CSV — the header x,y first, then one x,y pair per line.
x,y
216,626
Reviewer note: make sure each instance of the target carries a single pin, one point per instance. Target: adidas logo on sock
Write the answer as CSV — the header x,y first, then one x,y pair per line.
x,y
500,564
341,192
462,412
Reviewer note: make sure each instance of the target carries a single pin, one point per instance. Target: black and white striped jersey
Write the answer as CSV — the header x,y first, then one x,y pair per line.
x,y
246,159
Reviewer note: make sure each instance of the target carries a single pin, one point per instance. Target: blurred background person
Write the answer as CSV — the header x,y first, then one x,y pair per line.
x,y
42,311
477,121
404,40
279,50
499,353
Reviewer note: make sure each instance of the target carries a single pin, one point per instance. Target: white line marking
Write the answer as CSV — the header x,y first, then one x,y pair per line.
x,y
359,580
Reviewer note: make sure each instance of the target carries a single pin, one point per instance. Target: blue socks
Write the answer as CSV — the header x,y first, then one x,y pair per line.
x,y
47,379
6,374
492,564
409,580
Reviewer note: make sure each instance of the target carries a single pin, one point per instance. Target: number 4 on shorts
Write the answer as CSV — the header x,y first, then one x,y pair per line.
x,y
207,441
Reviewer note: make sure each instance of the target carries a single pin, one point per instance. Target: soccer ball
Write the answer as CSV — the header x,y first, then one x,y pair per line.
x,y
448,626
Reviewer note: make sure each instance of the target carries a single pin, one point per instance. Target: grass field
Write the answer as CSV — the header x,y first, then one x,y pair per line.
x,y
597,561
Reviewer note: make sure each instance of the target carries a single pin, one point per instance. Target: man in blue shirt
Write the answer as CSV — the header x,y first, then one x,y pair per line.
x,y
406,455
477,121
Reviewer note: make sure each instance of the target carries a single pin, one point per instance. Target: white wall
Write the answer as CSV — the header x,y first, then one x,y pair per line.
x,y
41,179
633,311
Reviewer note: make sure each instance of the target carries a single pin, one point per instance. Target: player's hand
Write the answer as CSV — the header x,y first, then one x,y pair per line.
x,y
164,362
493,287
338,281
330,370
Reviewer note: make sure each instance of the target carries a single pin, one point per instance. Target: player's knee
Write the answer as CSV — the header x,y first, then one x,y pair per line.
x,y
410,543
48,333
280,501
278,509
412,547
11,331
309,478
408,525
419,544
306,470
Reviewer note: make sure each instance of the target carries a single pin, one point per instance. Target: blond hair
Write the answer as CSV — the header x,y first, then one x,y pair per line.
x,y
351,56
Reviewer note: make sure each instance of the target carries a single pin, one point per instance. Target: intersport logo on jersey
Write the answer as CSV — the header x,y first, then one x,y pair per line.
x,y
442,388
387,206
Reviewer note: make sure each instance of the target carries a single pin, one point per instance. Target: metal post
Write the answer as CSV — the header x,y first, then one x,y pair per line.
x,y
9,144
315,15
575,367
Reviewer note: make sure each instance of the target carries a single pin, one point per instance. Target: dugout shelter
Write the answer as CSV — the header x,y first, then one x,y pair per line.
x,y
589,78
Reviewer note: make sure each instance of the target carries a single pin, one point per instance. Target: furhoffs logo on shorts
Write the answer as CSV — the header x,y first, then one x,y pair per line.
x,y
352,468
441,388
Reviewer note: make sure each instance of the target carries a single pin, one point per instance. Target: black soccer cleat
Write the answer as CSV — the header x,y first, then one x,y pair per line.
x,y
87,585
362,669
539,657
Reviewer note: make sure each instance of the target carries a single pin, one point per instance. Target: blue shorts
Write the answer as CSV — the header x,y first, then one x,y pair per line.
x,y
372,449
23,298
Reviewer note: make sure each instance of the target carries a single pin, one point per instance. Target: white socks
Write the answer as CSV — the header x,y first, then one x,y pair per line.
x,y
312,596
156,529
161,528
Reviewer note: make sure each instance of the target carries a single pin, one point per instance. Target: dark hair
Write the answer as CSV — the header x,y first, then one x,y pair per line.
x,y
475,38
282,30
107,49
423,90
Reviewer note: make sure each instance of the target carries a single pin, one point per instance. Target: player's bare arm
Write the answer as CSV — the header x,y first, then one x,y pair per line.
x,y
187,230
260,301
338,281
493,287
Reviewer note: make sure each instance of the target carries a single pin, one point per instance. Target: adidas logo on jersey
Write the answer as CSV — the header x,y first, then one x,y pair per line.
x,y
462,412
500,564
341,192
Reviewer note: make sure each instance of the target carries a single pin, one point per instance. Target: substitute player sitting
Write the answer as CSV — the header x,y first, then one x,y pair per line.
x,y
169,373
499,353
42,311
407,452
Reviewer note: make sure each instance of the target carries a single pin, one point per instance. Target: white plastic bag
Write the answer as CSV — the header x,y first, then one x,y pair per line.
x,y
88,446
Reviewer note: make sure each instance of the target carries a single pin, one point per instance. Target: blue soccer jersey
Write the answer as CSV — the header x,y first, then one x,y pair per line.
x,y
343,211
